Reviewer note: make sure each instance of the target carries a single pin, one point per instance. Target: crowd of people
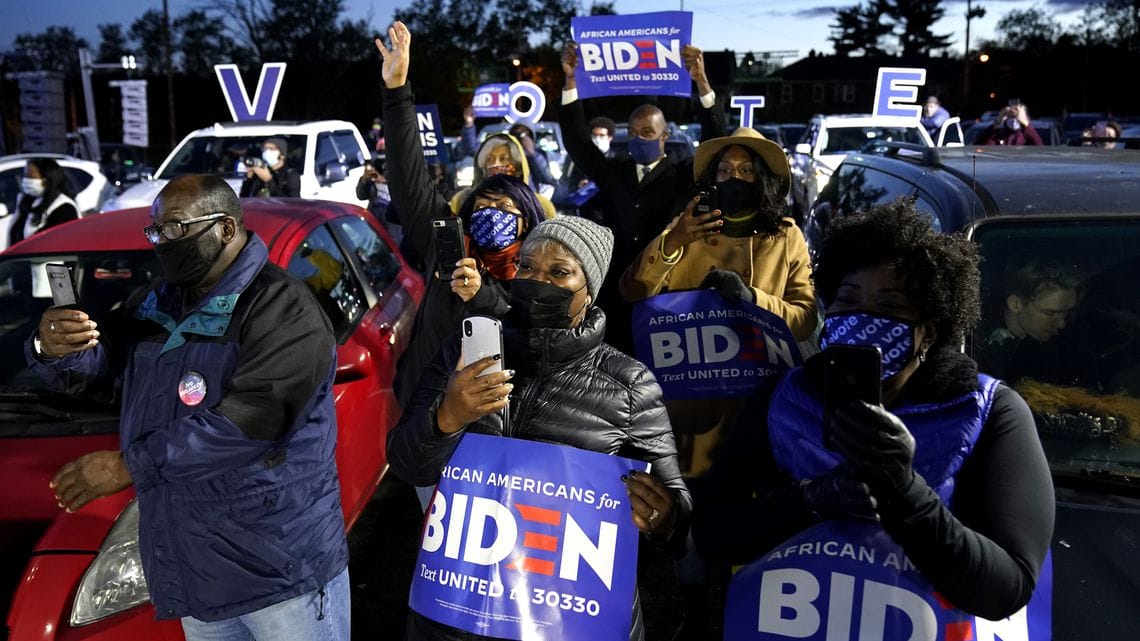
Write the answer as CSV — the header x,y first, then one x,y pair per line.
x,y
948,464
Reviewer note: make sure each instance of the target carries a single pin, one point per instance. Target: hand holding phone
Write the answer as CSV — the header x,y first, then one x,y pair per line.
x,y
479,385
850,373
708,200
447,234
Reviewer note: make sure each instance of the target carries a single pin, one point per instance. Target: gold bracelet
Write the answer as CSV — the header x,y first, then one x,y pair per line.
x,y
670,259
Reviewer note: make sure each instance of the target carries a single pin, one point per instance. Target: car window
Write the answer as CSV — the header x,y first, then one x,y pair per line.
x,y
861,188
78,178
225,155
836,140
10,187
379,264
324,268
326,150
104,281
1061,325
349,148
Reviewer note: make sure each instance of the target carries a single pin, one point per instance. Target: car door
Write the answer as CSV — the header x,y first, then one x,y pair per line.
x,y
323,264
1075,359
392,290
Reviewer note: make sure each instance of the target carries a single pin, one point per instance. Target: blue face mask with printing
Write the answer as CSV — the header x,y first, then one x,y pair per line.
x,y
494,229
644,151
893,337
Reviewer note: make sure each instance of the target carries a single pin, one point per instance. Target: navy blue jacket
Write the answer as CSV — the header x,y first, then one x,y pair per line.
x,y
239,502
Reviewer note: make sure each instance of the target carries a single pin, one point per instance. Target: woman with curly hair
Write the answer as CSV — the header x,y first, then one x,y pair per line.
x,y
949,466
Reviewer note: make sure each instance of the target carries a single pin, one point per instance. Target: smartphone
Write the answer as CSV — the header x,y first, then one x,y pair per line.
x,y
850,373
709,201
62,286
448,236
482,337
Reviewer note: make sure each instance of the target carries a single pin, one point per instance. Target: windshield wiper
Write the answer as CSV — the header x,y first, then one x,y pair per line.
x,y
32,409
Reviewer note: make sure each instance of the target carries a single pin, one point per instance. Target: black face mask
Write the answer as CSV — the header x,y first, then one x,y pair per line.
x,y
736,196
183,262
538,304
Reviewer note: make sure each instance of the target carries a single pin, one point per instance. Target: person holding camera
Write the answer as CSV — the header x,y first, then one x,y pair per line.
x,y
269,176
1012,127
948,464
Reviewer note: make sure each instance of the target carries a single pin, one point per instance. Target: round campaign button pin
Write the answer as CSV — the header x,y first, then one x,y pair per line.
x,y
192,388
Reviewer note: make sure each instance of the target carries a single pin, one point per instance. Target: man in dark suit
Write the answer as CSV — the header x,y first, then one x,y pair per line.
x,y
640,193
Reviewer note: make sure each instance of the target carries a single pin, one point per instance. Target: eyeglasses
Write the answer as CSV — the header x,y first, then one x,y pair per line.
x,y
176,229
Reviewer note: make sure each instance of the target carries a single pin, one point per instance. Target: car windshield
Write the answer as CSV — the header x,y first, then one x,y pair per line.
x,y
1061,325
225,156
837,140
103,281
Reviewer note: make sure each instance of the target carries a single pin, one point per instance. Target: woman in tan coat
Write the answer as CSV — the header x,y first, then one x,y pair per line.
x,y
744,249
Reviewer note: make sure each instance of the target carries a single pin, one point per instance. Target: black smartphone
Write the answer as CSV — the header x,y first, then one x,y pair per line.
x,y
63,292
850,373
709,201
448,236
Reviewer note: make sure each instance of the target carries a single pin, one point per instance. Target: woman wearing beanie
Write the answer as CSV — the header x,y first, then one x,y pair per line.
x,y
552,337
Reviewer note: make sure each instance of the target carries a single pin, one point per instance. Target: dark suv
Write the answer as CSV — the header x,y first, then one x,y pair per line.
x,y
1067,221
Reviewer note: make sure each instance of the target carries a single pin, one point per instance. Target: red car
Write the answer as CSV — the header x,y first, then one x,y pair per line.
x,y
78,576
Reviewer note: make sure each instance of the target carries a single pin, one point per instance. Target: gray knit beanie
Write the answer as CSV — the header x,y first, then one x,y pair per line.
x,y
591,243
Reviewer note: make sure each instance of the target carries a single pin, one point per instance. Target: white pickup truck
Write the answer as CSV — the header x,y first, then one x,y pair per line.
x,y
328,154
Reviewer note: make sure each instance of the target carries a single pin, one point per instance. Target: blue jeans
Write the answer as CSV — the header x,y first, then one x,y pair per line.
x,y
297,618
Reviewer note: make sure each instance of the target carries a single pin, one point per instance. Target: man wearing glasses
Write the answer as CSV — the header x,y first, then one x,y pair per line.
x,y
225,368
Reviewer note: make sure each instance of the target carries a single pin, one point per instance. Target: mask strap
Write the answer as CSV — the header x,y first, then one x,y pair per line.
x,y
584,303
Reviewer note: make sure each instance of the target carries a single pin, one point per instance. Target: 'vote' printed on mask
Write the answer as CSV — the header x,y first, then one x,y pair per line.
x,y
894,338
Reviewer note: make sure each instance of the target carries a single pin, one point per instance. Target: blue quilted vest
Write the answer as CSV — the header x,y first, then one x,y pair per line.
x,y
944,433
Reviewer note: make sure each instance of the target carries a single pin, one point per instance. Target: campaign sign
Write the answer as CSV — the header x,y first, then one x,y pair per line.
x,y
500,100
896,95
851,581
747,105
634,54
431,133
527,540
242,109
701,346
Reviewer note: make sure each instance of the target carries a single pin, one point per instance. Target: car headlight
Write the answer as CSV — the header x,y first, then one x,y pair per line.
x,y
556,169
465,176
115,580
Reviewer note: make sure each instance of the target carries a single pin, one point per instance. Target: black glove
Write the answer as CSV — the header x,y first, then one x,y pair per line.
x,y
728,284
837,495
877,444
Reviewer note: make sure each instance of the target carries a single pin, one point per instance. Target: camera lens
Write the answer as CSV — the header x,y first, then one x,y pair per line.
x,y
467,327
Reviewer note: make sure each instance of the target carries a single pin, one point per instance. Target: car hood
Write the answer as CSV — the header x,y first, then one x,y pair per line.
x,y
27,503
144,193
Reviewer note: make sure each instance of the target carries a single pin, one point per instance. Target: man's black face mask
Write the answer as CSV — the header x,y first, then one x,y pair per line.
x,y
186,261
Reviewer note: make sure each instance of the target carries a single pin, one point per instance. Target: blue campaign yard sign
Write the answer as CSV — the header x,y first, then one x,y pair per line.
x,y
431,133
527,540
634,54
701,346
492,100
896,95
847,580
242,109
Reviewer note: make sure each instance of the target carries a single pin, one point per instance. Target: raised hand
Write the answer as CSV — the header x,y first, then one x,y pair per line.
x,y
469,397
570,63
66,331
396,60
690,227
695,64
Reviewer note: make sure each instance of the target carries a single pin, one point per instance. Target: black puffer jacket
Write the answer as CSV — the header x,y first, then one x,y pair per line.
x,y
571,389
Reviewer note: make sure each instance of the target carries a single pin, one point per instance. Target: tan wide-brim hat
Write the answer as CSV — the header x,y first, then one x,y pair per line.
x,y
771,153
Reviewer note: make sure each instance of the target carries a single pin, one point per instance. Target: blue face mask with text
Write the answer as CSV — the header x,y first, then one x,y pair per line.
x,y
644,151
894,338
494,229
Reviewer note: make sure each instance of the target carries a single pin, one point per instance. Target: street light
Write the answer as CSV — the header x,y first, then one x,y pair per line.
x,y
985,57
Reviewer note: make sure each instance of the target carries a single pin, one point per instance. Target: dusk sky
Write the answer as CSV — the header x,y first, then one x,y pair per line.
x,y
758,25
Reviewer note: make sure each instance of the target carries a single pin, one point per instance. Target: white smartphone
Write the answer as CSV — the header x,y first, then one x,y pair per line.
x,y
482,337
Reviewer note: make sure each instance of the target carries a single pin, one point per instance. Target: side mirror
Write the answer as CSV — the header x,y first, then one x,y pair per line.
x,y
803,148
353,363
333,172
